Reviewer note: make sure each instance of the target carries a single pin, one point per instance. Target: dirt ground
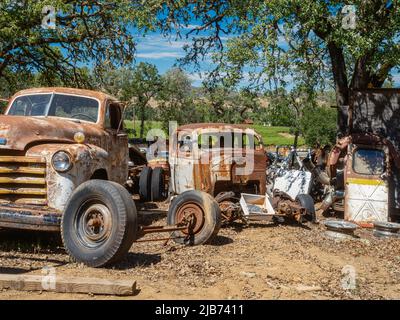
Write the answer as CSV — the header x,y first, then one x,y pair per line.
x,y
258,261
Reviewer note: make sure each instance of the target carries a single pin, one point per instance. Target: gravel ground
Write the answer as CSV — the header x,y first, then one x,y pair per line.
x,y
258,261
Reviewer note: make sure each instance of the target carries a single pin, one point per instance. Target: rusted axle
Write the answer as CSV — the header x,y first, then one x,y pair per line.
x,y
143,230
157,229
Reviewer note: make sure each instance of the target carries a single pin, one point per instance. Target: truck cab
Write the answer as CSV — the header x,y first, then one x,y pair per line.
x,y
216,158
63,164
51,141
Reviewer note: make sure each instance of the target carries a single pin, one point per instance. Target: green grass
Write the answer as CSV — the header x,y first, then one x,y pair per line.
x,y
129,124
276,135
270,135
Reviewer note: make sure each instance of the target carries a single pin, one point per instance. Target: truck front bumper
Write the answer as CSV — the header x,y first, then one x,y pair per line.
x,y
29,218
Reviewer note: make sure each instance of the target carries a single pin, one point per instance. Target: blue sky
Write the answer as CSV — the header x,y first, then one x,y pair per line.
x,y
163,52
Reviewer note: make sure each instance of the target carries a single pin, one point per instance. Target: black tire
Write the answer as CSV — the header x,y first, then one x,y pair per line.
x,y
203,230
307,202
145,184
90,200
157,185
129,205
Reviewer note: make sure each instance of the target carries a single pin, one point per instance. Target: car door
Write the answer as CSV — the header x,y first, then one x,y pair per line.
x,y
366,190
182,160
117,143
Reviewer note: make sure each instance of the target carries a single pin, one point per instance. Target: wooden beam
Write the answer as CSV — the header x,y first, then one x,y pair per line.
x,y
67,284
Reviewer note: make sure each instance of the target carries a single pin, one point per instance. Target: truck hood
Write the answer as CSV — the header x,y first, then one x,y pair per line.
x,y
17,132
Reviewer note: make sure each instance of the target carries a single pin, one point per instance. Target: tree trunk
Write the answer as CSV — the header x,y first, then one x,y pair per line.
x,y
361,76
341,86
142,116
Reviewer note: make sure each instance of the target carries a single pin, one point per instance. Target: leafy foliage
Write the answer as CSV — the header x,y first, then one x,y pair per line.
x,y
307,42
318,126
176,99
136,87
280,111
86,32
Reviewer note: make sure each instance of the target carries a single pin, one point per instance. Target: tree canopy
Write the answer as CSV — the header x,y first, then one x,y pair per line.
x,y
306,42
57,37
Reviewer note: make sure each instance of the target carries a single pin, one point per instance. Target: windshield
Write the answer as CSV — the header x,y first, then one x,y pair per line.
x,y
56,105
216,140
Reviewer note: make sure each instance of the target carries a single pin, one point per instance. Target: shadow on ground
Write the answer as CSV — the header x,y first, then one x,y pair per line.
x,y
134,260
148,218
239,226
30,241
221,241
8,270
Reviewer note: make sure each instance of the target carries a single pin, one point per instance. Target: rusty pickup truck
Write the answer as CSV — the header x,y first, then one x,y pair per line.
x,y
64,165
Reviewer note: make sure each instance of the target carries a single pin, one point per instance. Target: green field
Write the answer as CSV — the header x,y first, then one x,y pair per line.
x,y
276,135
270,135
147,126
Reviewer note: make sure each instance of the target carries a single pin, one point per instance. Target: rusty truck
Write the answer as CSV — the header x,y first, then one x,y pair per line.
x,y
362,174
65,164
225,162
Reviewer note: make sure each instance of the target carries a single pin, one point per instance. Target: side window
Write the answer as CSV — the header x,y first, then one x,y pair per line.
x,y
20,108
369,161
113,116
248,141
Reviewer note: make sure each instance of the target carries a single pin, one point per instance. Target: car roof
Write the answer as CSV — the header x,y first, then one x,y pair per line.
x,y
218,126
80,92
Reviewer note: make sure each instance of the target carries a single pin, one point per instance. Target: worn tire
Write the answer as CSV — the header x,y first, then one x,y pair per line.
x,y
210,224
110,244
157,184
307,202
129,205
145,184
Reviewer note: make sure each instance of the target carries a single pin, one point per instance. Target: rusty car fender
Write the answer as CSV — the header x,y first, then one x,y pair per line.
x,y
86,160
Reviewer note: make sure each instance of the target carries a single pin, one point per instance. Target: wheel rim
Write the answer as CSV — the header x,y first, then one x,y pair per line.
x,y
93,224
192,215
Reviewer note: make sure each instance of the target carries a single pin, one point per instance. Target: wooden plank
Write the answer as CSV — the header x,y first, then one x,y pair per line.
x,y
67,284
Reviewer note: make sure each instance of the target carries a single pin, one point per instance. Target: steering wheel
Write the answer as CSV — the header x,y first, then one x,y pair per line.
x,y
84,115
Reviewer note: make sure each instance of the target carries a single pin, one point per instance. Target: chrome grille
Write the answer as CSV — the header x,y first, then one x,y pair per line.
x,y
23,180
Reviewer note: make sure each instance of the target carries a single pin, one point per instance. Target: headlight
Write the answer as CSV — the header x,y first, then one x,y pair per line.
x,y
79,137
61,161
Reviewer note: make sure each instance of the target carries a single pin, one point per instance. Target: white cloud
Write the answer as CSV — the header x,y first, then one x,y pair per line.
x,y
195,76
159,55
191,26
156,46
